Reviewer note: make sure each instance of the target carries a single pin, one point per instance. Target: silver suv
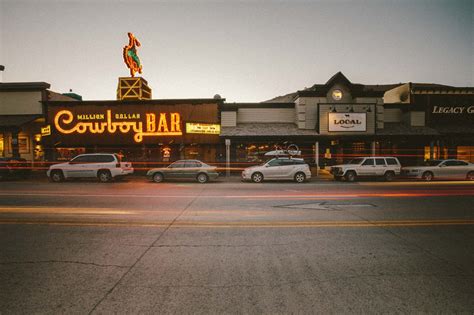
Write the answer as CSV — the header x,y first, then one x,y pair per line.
x,y
278,169
386,167
104,166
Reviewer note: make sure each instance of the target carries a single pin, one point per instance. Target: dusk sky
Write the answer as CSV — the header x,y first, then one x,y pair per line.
x,y
247,51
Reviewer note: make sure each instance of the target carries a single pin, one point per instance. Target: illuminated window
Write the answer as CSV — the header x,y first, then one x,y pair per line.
x,y
465,153
1,146
436,153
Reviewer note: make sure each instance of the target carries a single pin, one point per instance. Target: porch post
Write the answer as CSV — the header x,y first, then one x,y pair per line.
x,y
227,157
316,157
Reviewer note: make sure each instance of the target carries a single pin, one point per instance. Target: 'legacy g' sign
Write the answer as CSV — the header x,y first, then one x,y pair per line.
x,y
347,122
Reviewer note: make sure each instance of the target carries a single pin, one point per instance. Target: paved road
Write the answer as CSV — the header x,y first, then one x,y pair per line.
x,y
232,247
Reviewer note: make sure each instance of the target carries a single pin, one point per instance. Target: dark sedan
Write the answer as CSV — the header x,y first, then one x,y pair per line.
x,y
184,169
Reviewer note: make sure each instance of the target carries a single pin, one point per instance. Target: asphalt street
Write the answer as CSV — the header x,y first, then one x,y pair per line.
x,y
231,247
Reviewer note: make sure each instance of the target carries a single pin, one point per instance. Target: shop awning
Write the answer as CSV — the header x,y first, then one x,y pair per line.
x,y
9,121
456,129
262,130
397,129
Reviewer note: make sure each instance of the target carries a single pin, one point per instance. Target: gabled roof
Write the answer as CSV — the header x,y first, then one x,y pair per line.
x,y
356,89
338,78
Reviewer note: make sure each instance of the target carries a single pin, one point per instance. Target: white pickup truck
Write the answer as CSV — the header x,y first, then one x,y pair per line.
x,y
386,167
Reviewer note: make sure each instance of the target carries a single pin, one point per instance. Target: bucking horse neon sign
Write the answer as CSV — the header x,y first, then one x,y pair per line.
x,y
130,55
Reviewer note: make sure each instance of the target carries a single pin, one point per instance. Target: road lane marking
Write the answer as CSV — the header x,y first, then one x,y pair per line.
x,y
255,224
63,210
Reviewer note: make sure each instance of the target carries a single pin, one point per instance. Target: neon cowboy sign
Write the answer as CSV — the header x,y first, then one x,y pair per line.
x,y
154,125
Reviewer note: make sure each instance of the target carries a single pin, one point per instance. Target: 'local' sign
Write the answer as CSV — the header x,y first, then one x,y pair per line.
x,y
347,122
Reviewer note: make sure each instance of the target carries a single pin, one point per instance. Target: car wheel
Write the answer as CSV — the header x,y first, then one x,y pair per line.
x,y
56,176
202,178
300,177
157,177
257,177
350,176
470,176
427,176
389,176
104,176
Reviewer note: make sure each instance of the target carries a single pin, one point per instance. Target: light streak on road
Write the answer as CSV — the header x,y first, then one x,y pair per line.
x,y
247,224
62,210
276,195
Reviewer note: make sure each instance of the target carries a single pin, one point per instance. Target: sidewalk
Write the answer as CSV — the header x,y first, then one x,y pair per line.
x,y
324,175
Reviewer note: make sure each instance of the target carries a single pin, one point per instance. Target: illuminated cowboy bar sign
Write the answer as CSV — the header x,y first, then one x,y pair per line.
x,y
154,125
115,123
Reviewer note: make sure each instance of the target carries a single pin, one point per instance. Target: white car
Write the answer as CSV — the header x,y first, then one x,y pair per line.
x,y
278,169
441,169
104,166
386,167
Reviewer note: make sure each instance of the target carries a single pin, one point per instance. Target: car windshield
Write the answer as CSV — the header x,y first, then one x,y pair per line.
x,y
432,163
355,161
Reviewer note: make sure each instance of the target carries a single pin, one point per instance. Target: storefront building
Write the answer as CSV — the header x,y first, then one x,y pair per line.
x,y
444,112
22,117
338,120
330,123
151,131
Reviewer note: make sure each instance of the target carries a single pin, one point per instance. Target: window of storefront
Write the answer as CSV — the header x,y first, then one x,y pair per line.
x,y
358,148
465,153
252,153
1,146
438,153
66,154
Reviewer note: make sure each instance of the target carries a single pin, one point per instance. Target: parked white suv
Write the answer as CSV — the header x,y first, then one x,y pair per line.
x,y
104,166
387,167
278,169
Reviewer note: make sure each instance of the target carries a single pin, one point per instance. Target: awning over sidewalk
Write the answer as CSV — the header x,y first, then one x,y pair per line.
x,y
266,129
11,121
397,129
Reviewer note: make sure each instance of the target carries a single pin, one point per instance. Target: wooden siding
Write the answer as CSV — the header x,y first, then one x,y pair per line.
x,y
417,119
392,115
266,115
228,119
21,103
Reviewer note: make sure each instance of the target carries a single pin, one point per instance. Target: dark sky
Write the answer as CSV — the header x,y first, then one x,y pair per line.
x,y
246,51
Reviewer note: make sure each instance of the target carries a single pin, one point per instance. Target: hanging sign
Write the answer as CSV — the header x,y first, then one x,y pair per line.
x,y
46,131
207,129
347,122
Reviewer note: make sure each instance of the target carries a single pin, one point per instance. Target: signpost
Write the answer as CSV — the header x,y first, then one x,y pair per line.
x,y
227,157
